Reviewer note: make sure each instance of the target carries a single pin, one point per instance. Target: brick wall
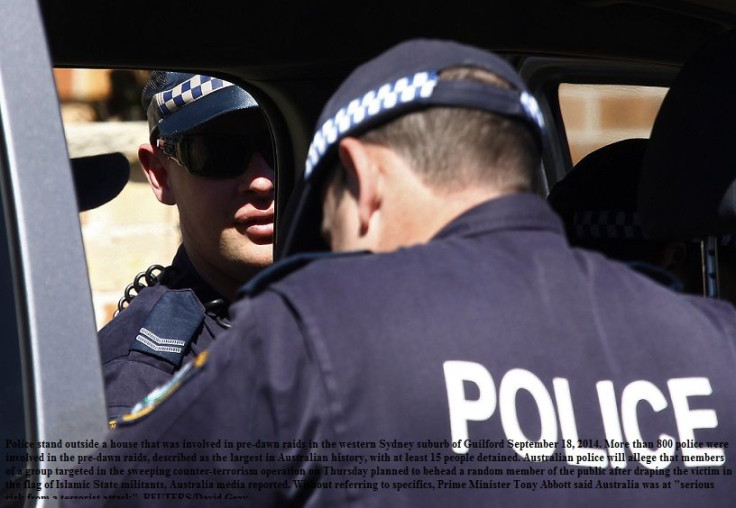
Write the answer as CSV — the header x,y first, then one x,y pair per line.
x,y
597,115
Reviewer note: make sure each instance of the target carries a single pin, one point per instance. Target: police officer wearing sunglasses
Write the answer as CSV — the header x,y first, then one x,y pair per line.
x,y
210,155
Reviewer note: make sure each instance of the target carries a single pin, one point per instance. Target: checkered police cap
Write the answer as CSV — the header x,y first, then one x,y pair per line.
x,y
402,80
405,79
177,102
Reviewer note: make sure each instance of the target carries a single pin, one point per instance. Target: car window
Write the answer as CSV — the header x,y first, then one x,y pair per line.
x,y
597,115
101,112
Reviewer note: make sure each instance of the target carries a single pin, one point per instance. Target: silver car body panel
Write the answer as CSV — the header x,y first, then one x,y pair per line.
x,y
56,319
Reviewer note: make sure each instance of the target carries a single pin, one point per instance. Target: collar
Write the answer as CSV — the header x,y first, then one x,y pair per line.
x,y
514,211
186,276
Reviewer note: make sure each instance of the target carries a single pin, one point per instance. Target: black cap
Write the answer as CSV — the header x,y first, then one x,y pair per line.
x,y
401,80
177,102
99,178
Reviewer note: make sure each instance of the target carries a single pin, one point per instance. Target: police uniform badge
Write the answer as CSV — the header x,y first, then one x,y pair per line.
x,y
160,394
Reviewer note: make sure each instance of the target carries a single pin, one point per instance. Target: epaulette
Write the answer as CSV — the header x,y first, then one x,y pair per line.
x,y
170,327
281,269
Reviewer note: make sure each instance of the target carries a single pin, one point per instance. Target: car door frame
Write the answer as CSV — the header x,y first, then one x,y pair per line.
x,y
62,379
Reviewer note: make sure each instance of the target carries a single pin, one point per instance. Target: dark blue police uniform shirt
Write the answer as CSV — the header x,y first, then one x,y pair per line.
x,y
461,358
163,327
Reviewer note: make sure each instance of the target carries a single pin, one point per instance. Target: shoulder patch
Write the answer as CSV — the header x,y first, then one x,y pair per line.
x,y
170,327
281,269
163,392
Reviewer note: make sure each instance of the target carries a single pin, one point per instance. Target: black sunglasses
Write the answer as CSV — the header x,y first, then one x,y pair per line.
x,y
217,154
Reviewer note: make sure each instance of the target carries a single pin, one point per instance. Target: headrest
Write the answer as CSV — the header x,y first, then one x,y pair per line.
x,y
687,184
597,199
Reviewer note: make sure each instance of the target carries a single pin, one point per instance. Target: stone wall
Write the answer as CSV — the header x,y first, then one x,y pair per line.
x,y
133,231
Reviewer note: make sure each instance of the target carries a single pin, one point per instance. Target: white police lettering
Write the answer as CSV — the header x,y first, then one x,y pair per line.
x,y
481,408
583,456
634,393
512,382
688,420
611,424
463,410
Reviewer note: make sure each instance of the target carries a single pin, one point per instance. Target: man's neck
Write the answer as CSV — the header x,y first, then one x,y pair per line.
x,y
224,279
418,220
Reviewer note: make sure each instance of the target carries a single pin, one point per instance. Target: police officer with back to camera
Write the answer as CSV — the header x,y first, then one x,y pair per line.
x,y
209,154
472,359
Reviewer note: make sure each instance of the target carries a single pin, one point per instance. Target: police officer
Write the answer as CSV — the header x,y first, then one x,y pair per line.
x,y
210,155
471,357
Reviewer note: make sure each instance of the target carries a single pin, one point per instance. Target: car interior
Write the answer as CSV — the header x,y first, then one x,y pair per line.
x,y
688,164
291,57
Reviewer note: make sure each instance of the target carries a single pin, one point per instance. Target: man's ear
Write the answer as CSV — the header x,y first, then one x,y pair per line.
x,y
363,178
157,174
